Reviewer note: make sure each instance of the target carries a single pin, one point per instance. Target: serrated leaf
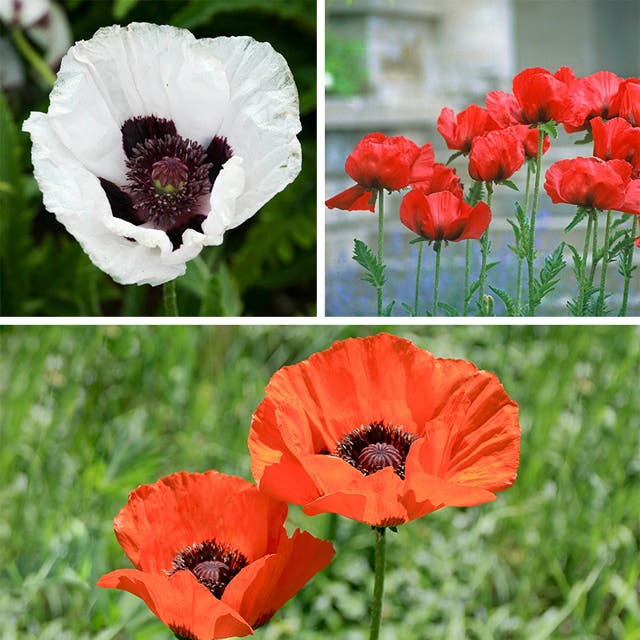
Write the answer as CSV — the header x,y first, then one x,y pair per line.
x,y
510,184
476,193
453,156
508,301
408,308
581,214
363,255
449,309
386,312
550,128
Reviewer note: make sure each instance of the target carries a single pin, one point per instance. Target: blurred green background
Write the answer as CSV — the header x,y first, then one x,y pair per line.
x,y
88,413
266,267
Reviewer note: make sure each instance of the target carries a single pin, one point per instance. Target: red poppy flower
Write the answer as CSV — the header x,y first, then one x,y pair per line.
x,y
626,102
496,156
378,162
529,138
380,431
212,556
458,131
443,216
590,97
538,96
616,139
588,182
443,178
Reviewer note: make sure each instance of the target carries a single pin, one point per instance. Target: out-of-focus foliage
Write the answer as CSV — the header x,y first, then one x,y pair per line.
x,y
89,413
346,73
267,266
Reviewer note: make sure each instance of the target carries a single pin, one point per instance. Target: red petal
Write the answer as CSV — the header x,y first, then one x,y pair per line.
x,y
261,588
354,198
181,602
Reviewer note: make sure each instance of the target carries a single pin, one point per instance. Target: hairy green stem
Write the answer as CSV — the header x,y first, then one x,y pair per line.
x,y
594,251
33,57
484,250
467,276
520,256
627,276
582,284
169,298
531,255
378,588
437,248
380,243
605,262
417,295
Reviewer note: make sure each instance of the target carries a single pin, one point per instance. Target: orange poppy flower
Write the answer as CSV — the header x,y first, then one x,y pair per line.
x,y
212,556
383,432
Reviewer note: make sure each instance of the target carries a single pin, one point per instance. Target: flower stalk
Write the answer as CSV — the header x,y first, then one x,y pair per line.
x,y
378,587
467,276
170,299
531,255
380,244
437,246
418,269
485,246
605,262
33,57
627,270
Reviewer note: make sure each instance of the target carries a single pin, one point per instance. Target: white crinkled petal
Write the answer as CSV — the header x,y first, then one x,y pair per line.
x,y
74,194
120,73
262,119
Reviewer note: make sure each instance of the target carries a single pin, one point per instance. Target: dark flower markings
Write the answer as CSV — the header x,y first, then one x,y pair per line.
x,y
169,178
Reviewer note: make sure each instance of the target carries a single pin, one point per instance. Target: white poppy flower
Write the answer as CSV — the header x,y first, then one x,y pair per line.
x,y
156,143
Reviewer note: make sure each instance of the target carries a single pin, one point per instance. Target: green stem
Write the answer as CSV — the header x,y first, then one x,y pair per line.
x,y
520,256
380,242
583,275
378,588
33,57
594,251
467,276
436,247
605,262
417,296
627,277
484,250
532,223
169,298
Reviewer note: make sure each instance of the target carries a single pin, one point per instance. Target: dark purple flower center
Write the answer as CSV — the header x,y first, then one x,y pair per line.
x,y
213,564
376,446
169,178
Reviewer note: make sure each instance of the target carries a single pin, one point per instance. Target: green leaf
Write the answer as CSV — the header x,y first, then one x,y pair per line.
x,y
386,312
581,214
122,7
507,300
418,240
408,308
476,192
449,309
588,139
553,265
550,128
369,262
510,184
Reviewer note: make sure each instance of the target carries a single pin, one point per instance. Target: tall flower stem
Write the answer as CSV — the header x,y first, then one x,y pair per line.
x,y
520,256
531,254
594,251
467,276
605,262
627,272
484,250
33,57
378,587
169,298
417,296
437,246
380,242
582,285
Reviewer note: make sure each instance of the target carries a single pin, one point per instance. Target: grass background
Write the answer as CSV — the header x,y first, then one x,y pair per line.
x,y
266,266
88,413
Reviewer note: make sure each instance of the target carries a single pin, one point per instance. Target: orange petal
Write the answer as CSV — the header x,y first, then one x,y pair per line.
x,y
371,499
163,518
181,602
264,586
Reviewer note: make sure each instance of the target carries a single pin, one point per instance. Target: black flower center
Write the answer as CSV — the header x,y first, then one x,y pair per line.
x,y
213,564
169,178
376,446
